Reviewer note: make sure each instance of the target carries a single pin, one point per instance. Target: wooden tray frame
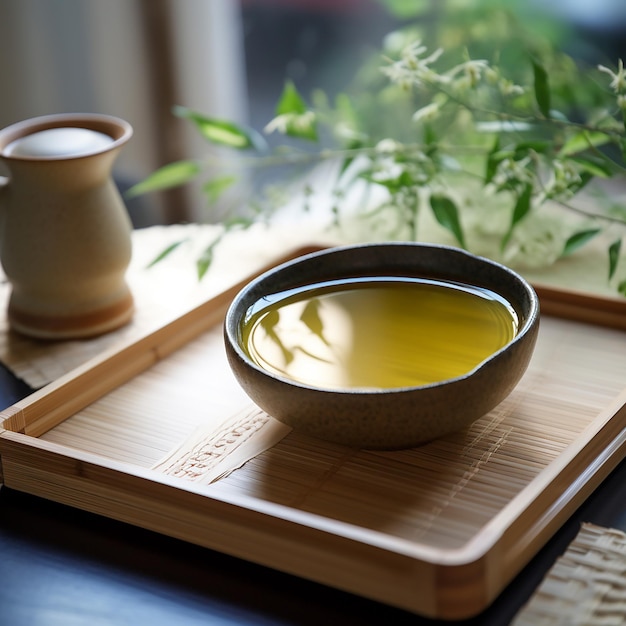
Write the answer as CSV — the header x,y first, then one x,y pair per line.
x,y
450,584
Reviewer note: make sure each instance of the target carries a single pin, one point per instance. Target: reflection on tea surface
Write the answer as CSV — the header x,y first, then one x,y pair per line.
x,y
377,332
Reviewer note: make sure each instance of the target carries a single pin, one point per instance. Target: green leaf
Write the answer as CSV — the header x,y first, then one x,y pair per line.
x,y
166,177
595,166
583,141
579,239
290,101
621,288
522,206
223,132
447,214
347,161
345,164
614,252
431,141
524,147
542,88
203,262
430,136
520,210
238,221
500,155
345,108
213,189
165,253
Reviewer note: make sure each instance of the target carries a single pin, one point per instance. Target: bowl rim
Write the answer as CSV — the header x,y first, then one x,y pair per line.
x,y
232,321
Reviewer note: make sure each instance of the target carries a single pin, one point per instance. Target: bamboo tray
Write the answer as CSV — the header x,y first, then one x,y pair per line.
x,y
438,530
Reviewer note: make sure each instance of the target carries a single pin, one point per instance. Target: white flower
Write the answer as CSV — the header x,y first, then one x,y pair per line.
x,y
345,131
412,69
399,74
472,71
279,123
296,121
509,88
427,113
492,75
536,243
387,146
412,53
618,82
512,172
564,179
506,86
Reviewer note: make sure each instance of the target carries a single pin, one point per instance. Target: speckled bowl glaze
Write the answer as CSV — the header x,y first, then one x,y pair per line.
x,y
387,418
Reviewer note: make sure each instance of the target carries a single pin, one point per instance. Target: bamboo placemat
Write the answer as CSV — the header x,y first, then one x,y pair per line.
x,y
585,587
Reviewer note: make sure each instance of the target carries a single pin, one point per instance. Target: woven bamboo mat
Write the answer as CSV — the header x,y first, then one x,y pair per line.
x,y
585,587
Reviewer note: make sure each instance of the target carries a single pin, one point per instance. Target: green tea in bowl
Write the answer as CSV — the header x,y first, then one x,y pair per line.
x,y
377,332
382,346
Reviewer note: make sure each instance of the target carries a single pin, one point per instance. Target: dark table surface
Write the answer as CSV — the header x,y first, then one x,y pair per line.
x,y
61,566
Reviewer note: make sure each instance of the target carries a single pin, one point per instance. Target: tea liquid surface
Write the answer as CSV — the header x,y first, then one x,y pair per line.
x,y
378,332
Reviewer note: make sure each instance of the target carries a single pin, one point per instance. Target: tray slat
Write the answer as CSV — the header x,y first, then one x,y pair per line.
x,y
583,307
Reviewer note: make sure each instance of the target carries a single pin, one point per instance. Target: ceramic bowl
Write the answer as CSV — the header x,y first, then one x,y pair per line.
x,y
386,418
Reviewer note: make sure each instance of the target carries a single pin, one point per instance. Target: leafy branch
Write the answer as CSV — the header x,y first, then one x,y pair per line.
x,y
528,146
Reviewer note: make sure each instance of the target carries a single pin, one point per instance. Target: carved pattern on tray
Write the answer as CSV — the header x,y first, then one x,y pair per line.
x,y
202,456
